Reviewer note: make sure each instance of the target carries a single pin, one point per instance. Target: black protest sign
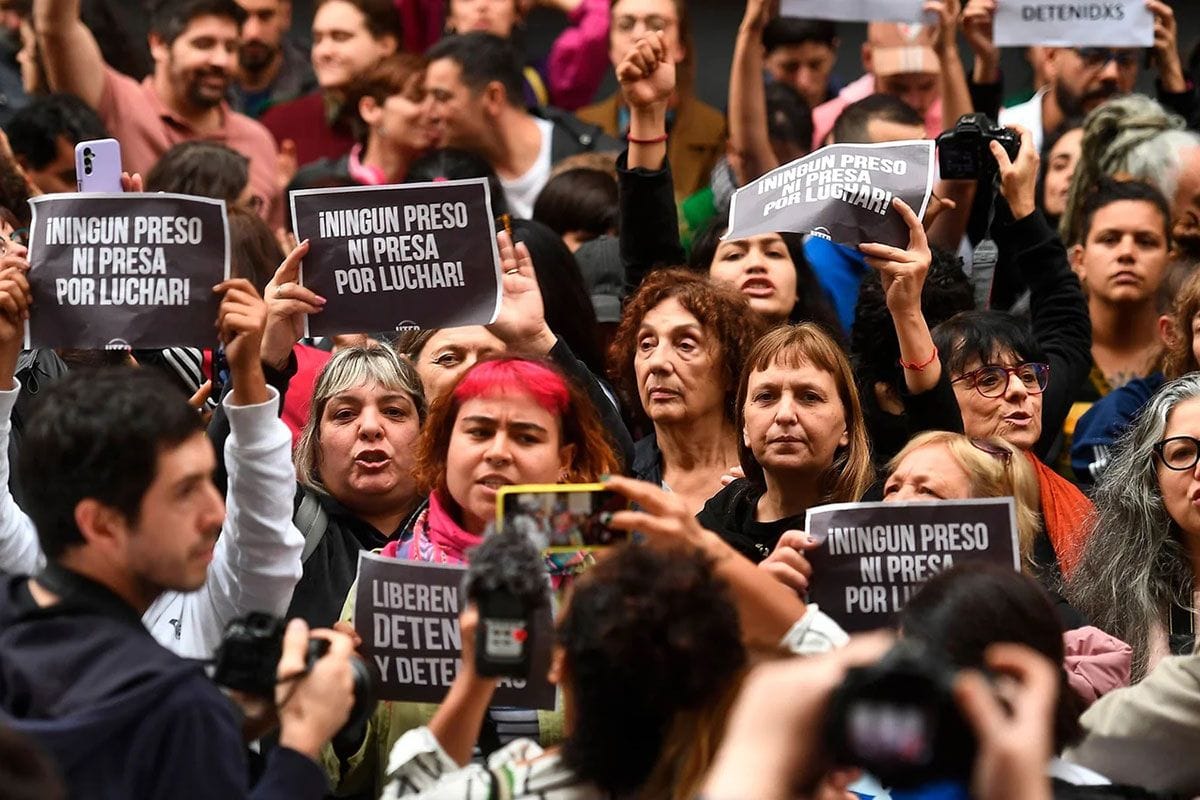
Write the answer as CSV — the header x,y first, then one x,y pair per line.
x,y
1074,23
392,258
125,270
407,615
843,193
873,556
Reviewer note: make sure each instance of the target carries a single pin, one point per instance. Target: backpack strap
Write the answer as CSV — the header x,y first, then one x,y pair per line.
x,y
312,521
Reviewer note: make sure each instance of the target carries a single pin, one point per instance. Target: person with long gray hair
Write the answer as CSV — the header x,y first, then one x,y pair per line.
x,y
1136,574
1134,137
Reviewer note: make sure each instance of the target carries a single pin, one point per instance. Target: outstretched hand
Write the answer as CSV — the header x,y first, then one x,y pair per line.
x,y
15,299
288,303
521,323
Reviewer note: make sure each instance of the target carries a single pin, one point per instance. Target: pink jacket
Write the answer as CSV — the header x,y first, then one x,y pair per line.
x,y
1096,663
572,71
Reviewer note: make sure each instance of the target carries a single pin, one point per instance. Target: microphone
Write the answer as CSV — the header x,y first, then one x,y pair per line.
x,y
507,581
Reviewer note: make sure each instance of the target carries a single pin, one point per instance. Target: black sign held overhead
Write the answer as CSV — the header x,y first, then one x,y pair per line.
x,y
389,258
125,270
407,615
873,556
843,193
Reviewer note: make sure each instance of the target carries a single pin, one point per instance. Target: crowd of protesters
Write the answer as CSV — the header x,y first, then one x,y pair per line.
x,y
1036,338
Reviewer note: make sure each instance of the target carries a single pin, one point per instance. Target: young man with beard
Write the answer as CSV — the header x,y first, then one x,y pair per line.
x,y
194,44
1079,79
272,68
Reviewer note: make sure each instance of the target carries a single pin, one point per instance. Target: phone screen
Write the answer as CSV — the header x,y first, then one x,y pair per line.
x,y
561,519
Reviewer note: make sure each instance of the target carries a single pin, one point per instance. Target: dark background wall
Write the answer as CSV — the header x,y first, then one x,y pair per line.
x,y
715,23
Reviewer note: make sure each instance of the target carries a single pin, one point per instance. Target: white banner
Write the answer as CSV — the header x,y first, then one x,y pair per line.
x,y
1074,23
854,10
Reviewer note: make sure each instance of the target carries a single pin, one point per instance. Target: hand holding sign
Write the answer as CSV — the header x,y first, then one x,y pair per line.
x,y
521,323
945,15
902,271
787,562
288,304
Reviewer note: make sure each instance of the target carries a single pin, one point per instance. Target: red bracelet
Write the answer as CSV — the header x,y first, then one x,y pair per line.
x,y
656,140
918,367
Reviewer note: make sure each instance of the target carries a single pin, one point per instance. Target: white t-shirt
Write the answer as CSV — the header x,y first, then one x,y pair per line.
x,y
523,191
1027,115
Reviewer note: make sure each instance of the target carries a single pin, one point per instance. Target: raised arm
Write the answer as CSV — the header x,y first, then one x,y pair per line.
x,y
748,134
20,552
903,275
257,560
649,230
69,52
1058,307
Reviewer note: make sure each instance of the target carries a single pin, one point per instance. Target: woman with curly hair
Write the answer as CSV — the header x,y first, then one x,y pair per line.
x,y
676,355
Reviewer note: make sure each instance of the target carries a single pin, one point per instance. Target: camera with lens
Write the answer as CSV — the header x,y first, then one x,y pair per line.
x,y
964,151
898,720
248,660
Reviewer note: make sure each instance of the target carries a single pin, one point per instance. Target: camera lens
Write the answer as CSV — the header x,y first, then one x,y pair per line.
x,y
87,152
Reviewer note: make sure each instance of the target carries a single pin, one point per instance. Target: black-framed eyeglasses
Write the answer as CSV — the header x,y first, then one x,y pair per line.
x,y
18,237
992,380
992,449
1098,57
1178,453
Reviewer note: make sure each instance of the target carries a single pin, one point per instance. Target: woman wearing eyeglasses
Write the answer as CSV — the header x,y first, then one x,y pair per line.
x,y
1136,578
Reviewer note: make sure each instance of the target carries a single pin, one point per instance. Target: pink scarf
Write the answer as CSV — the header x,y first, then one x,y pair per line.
x,y
436,538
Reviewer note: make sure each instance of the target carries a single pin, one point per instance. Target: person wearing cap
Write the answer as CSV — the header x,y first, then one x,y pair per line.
x,y
919,64
604,273
1078,80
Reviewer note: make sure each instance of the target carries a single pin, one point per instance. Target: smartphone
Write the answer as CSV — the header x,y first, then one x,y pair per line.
x,y
563,519
98,166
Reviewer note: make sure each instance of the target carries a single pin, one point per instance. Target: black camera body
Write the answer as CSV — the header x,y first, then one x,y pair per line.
x,y
505,635
898,720
248,659
964,153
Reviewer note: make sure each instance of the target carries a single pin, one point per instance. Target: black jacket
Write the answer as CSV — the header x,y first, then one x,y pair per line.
x,y
121,716
732,514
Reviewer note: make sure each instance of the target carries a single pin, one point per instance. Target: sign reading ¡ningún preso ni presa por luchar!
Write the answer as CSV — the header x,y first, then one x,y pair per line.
x,y
842,193
125,270
873,556
404,257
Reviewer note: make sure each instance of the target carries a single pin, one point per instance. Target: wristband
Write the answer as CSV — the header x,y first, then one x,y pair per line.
x,y
919,367
653,140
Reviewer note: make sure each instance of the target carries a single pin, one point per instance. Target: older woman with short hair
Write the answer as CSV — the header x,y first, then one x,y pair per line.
x,y
676,355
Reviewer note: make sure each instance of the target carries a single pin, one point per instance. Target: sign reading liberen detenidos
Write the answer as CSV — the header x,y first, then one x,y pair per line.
x,y
842,192
873,556
1074,23
855,10
125,270
407,615
390,258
